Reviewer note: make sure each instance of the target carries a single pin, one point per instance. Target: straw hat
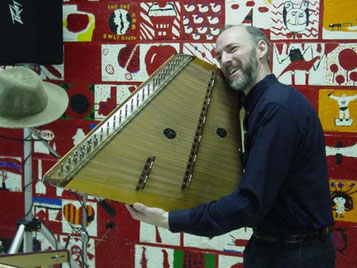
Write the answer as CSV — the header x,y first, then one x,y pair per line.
x,y
27,101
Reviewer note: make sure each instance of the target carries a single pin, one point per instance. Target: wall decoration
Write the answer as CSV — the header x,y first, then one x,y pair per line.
x,y
299,63
151,257
75,249
74,246
118,22
107,97
48,210
11,173
158,236
341,65
126,63
81,101
344,197
40,187
338,110
72,217
341,152
48,136
339,239
147,257
204,51
343,236
156,55
230,261
51,72
234,241
122,63
295,19
82,63
339,20
78,26
185,258
256,13
60,136
200,20
160,21
110,47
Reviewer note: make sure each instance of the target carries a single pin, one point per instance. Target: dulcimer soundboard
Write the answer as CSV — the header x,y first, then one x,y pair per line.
x,y
173,143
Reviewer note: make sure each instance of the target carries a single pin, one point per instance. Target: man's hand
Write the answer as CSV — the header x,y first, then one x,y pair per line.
x,y
154,216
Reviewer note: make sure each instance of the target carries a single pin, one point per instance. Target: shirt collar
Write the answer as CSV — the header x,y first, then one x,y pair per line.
x,y
255,93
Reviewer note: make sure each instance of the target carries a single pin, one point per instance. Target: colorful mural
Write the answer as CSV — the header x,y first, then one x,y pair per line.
x,y
111,47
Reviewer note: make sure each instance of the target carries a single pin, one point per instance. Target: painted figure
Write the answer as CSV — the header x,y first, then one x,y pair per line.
x,y
344,114
296,19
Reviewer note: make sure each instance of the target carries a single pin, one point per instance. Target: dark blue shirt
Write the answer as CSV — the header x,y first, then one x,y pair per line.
x,y
284,189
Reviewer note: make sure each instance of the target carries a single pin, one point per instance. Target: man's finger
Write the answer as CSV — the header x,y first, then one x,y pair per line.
x,y
133,212
139,207
154,216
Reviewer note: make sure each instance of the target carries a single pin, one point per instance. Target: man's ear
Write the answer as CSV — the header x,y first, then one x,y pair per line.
x,y
262,49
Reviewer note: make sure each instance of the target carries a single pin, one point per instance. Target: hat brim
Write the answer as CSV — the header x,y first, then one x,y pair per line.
x,y
56,106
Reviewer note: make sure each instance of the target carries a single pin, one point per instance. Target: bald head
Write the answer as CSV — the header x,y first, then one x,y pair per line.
x,y
242,56
255,33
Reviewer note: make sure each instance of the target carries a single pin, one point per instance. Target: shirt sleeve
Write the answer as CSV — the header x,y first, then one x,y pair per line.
x,y
271,153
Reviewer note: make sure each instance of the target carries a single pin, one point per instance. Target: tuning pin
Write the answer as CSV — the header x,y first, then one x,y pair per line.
x,y
81,152
95,140
143,94
137,100
89,146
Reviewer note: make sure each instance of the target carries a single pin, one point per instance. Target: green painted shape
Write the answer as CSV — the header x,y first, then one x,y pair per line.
x,y
210,260
178,258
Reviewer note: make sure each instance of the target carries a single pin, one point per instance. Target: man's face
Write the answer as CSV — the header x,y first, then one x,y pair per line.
x,y
236,54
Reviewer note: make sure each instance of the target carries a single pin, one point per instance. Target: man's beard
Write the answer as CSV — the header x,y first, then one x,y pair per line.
x,y
249,74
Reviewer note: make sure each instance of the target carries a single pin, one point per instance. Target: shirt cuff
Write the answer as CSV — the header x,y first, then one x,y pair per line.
x,y
179,220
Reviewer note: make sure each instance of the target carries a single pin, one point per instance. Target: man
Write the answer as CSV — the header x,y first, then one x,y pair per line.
x,y
283,193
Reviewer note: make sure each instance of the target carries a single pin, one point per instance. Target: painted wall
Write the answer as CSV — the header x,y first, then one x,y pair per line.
x,y
110,47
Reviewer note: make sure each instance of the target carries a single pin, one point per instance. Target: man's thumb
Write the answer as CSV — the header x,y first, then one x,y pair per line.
x,y
139,206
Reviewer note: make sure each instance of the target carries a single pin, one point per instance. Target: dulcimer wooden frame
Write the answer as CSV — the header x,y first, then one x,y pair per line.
x,y
174,143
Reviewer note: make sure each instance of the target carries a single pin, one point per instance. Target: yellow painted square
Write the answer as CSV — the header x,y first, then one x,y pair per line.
x,y
344,199
341,13
338,110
